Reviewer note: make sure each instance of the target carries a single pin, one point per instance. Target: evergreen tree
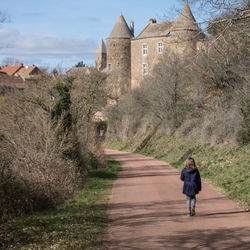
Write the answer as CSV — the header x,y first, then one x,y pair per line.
x,y
61,109
80,64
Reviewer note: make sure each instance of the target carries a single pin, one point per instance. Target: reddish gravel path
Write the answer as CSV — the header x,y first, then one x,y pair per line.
x,y
148,211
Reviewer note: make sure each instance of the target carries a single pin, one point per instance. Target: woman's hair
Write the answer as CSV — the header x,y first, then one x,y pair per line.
x,y
190,163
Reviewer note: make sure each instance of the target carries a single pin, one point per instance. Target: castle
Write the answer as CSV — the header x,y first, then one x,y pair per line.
x,y
128,59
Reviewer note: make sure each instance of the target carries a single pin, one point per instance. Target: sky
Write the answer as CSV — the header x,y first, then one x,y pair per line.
x,y
60,33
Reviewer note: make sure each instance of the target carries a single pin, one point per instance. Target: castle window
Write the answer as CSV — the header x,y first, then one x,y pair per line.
x,y
144,68
144,49
109,67
160,47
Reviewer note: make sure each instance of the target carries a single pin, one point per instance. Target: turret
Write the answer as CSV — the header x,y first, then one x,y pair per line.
x,y
101,56
186,33
119,57
185,26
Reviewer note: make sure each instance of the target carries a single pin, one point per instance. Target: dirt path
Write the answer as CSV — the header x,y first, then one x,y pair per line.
x,y
148,211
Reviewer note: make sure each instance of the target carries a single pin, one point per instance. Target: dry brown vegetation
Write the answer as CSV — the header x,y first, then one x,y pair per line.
x,y
48,141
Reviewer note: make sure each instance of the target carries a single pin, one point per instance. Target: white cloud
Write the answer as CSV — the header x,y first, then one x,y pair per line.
x,y
45,47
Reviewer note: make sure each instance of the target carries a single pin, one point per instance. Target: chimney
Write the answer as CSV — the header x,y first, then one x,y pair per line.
x,y
152,20
132,29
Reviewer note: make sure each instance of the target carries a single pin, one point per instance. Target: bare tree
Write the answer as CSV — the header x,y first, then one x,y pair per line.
x,y
44,160
217,7
11,61
89,98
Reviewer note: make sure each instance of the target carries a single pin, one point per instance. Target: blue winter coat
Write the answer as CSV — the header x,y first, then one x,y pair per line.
x,y
192,181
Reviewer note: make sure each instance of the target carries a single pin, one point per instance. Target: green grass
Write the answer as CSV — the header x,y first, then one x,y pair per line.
x,y
80,223
226,168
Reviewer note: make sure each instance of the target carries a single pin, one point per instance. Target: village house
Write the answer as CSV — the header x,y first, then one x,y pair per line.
x,y
24,72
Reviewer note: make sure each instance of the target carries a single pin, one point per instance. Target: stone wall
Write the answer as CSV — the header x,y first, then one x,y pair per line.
x,y
119,64
171,46
100,60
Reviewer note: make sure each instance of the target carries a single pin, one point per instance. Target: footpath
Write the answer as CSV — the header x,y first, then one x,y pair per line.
x,y
148,211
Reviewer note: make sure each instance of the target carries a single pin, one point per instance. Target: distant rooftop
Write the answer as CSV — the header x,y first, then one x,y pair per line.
x,y
74,71
11,70
25,72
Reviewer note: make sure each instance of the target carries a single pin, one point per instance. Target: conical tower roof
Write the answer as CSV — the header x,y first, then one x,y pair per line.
x,y
101,47
121,29
186,20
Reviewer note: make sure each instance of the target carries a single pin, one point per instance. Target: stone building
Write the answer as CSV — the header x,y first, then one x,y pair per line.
x,y
129,59
101,56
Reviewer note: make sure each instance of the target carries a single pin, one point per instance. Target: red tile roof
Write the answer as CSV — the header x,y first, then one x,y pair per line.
x,y
26,72
11,70
28,69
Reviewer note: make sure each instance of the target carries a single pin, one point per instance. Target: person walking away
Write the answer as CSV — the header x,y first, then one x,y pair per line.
x,y
192,183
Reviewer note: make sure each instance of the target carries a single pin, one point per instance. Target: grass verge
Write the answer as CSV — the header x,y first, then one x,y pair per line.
x,y
80,223
226,168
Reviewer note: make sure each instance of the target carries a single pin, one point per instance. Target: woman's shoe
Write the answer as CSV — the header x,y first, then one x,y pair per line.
x,y
193,212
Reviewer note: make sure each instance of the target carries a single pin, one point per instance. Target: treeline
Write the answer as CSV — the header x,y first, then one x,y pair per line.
x,y
49,140
205,96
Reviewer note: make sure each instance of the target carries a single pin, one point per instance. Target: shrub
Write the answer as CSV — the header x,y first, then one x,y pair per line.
x,y
46,150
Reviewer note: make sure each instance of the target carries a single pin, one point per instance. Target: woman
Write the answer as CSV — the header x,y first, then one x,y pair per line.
x,y
192,183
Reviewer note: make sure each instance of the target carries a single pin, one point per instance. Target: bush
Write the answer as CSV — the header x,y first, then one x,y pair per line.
x,y
48,144
36,169
244,132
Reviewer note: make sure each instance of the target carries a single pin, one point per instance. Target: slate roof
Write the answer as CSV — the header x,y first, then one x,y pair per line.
x,y
185,21
74,71
121,29
155,30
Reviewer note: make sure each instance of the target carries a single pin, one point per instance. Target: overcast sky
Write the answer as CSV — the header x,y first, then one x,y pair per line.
x,y
59,33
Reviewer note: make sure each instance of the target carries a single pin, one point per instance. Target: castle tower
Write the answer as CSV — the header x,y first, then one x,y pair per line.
x,y
186,31
101,56
119,57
